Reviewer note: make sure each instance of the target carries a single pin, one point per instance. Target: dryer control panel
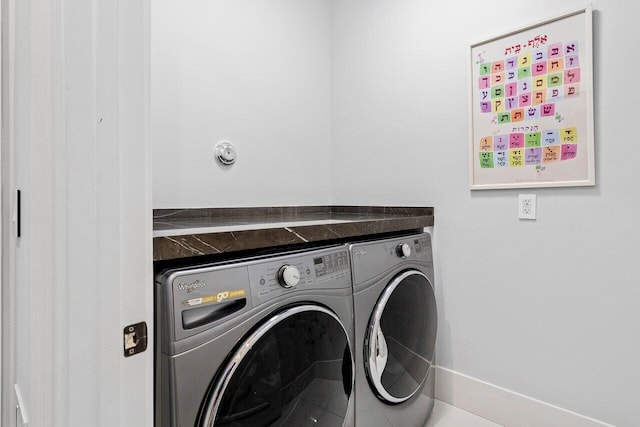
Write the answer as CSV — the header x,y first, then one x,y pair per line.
x,y
373,258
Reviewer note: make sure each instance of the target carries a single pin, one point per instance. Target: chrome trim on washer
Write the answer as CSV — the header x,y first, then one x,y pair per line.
x,y
221,384
376,359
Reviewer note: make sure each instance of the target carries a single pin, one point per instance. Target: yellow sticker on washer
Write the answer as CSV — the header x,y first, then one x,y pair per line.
x,y
216,298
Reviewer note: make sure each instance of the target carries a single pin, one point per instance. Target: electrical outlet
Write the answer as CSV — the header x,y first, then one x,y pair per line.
x,y
527,206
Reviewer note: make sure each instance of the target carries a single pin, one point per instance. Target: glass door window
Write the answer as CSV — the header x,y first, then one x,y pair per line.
x,y
401,337
294,370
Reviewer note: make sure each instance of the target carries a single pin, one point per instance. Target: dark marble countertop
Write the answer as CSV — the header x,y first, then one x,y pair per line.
x,y
184,233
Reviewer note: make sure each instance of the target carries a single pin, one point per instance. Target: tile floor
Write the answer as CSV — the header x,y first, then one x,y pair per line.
x,y
445,415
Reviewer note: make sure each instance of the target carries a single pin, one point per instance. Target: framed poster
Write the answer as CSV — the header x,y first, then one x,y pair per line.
x,y
532,106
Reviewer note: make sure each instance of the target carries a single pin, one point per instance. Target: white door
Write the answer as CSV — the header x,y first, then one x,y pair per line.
x,y
27,168
75,142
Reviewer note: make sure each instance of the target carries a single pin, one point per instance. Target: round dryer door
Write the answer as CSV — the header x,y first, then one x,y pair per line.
x,y
295,369
401,337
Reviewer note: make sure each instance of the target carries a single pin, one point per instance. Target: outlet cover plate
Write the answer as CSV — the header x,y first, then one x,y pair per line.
x,y
527,206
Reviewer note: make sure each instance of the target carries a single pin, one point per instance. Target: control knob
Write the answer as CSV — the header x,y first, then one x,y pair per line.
x,y
288,276
403,250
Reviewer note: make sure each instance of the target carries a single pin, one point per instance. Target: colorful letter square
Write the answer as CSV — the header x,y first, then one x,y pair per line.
x,y
554,80
569,151
504,117
485,69
484,82
497,67
569,135
497,78
554,94
501,142
554,51
511,89
511,63
539,83
571,61
525,99
524,85
571,48
539,97
555,65
524,60
486,160
571,90
550,154
539,55
539,68
572,75
501,159
532,139
486,143
533,156
497,91
517,115
516,159
516,140
524,72
550,137
533,113
547,110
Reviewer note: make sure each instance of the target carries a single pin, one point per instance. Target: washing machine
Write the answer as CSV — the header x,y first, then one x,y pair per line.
x,y
263,341
395,331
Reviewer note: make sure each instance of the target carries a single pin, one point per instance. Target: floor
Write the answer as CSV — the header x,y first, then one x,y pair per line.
x,y
445,415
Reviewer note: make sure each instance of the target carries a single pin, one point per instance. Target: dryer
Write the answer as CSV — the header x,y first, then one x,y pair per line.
x,y
256,342
395,331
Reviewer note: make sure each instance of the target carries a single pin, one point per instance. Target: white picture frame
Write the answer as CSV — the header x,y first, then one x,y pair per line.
x,y
531,106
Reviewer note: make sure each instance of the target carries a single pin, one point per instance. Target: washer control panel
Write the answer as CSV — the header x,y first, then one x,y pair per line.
x,y
196,298
324,269
331,265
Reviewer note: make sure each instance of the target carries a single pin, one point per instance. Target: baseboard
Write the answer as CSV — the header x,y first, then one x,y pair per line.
x,y
502,406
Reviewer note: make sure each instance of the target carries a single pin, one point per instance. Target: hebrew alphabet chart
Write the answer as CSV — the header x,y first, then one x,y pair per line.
x,y
532,107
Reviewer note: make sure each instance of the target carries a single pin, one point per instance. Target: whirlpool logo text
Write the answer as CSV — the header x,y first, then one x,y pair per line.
x,y
190,287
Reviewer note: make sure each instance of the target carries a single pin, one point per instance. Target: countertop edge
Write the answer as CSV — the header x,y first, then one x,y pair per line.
x,y
341,222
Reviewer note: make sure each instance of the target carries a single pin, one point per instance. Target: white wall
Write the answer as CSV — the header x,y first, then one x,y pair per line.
x,y
547,308
365,102
253,72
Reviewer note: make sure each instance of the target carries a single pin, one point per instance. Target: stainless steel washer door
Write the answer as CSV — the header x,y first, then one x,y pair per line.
x,y
296,369
401,337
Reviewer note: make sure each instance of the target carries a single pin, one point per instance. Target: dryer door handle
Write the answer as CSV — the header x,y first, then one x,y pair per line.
x,y
196,317
379,353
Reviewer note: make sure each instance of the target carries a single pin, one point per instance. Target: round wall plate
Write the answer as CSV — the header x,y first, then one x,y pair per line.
x,y
226,153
